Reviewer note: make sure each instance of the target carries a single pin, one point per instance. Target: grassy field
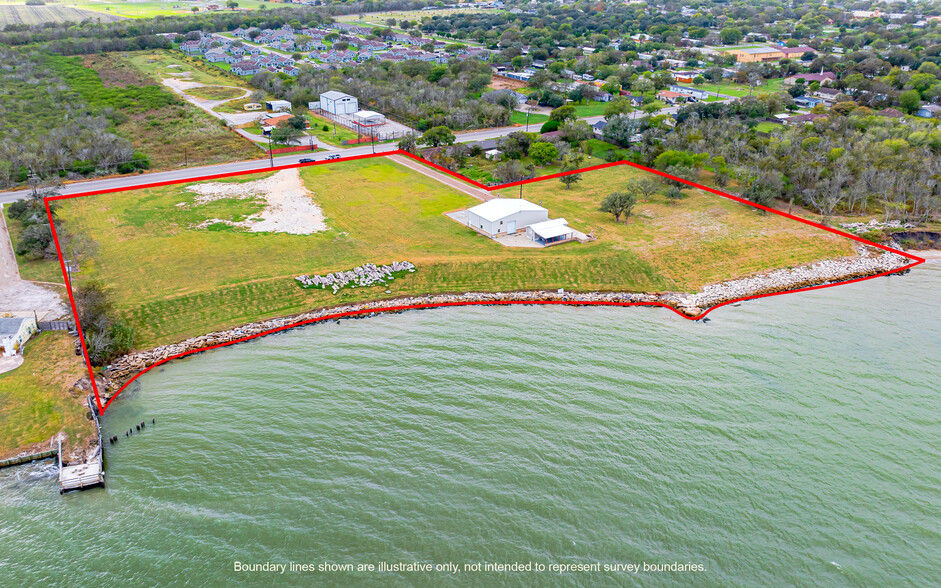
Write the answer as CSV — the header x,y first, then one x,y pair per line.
x,y
535,118
215,92
173,281
703,239
34,399
732,89
767,127
132,9
334,138
19,13
591,109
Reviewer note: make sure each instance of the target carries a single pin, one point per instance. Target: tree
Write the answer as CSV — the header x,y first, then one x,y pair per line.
x,y
543,152
910,101
437,136
298,122
571,163
195,9
699,80
409,144
617,107
510,171
574,131
646,187
232,4
675,194
730,35
618,203
619,130
286,133
563,113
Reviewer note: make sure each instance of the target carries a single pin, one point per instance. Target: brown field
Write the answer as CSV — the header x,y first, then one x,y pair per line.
x,y
13,14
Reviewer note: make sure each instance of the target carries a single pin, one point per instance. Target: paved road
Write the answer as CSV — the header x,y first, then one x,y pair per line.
x,y
130,181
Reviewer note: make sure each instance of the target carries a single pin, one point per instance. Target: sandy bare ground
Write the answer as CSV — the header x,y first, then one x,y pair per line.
x,y
289,209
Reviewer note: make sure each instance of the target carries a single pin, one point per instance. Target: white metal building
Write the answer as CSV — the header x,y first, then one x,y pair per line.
x,y
278,105
551,231
338,102
14,332
505,216
368,118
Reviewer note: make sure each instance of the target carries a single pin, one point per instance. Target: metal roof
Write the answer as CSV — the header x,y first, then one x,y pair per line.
x,y
10,326
498,208
334,95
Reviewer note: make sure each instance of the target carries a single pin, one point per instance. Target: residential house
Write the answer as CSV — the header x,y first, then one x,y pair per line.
x,y
248,67
929,111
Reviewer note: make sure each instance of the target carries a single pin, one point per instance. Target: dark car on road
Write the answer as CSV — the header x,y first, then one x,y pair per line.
x,y
306,160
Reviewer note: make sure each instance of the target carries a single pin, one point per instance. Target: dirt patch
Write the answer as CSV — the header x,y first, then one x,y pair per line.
x,y
499,83
116,73
289,207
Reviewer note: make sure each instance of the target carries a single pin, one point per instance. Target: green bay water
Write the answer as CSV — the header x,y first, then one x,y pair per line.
x,y
790,441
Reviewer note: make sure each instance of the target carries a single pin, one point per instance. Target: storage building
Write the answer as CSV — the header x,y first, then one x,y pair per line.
x,y
338,103
505,216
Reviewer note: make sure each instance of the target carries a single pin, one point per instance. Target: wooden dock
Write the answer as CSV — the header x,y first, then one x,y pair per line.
x,y
88,474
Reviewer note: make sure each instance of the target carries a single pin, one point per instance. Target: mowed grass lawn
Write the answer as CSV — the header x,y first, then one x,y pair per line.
x,y
702,239
174,281
34,399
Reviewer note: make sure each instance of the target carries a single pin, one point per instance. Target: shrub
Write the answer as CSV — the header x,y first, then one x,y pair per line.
x,y
549,126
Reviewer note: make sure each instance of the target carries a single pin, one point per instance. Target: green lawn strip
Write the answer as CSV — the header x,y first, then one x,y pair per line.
x,y
535,118
173,281
34,399
591,109
215,92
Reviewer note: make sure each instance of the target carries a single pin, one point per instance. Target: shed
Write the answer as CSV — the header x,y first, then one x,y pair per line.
x,y
502,216
368,118
493,154
338,103
550,232
278,105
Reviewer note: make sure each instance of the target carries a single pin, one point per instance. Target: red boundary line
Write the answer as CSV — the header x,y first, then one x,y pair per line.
x,y
81,334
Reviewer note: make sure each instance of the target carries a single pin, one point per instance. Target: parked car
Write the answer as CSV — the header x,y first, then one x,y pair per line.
x,y
306,160
334,156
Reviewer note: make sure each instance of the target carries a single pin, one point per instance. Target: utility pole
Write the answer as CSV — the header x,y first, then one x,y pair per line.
x,y
372,137
270,155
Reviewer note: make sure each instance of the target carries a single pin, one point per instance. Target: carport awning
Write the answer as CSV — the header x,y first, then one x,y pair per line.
x,y
552,232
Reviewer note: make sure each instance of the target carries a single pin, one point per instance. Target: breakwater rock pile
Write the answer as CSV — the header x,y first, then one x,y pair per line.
x,y
365,275
867,264
823,272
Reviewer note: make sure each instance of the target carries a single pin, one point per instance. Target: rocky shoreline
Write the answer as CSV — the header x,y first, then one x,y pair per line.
x,y
868,263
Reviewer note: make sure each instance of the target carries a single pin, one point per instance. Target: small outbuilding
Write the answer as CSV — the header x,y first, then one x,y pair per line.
x,y
278,105
493,154
505,216
550,232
